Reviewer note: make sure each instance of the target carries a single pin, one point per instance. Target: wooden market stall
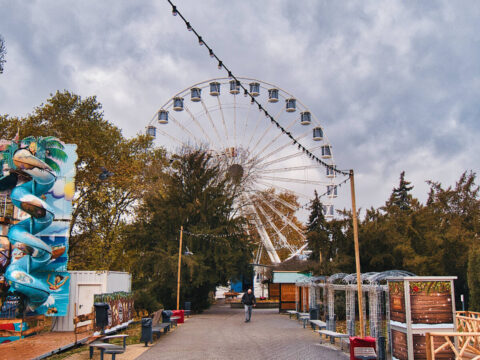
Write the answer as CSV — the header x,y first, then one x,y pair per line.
x,y
287,289
418,305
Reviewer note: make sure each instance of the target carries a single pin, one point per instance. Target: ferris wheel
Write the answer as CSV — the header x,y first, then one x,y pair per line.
x,y
277,178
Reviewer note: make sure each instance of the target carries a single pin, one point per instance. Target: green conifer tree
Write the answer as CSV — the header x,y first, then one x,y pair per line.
x,y
317,234
473,276
401,196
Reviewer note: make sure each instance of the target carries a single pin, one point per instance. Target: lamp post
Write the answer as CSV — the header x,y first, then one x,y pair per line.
x,y
179,268
357,253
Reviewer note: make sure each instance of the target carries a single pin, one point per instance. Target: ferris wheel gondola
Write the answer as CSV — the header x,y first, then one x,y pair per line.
x,y
277,177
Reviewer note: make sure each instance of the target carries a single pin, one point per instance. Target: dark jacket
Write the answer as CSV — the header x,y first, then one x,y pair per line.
x,y
248,299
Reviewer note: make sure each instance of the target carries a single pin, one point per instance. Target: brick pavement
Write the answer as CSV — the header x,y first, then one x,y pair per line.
x,y
220,333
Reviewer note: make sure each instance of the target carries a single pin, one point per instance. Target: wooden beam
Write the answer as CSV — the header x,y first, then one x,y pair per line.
x,y
179,268
357,254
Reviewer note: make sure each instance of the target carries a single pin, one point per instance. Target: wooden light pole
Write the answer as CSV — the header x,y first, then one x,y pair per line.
x,y
357,254
179,267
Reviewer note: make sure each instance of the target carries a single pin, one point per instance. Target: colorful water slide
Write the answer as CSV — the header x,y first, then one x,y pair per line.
x,y
21,272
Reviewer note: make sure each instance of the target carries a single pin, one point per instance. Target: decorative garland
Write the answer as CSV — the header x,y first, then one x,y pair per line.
x,y
430,287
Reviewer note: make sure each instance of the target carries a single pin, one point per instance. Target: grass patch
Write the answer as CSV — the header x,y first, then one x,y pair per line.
x,y
133,331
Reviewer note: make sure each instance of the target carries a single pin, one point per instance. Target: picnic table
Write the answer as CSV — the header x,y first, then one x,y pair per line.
x,y
106,348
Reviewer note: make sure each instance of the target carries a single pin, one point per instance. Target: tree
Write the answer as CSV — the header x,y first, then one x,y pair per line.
x,y
318,238
431,239
100,208
3,52
474,277
194,193
400,196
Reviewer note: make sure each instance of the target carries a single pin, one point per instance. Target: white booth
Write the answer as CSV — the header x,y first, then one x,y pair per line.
x,y
84,285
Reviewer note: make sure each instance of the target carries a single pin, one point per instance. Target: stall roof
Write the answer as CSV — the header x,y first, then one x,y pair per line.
x,y
288,277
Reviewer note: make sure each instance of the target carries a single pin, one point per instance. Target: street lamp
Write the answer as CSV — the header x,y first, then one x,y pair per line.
x,y
357,253
187,253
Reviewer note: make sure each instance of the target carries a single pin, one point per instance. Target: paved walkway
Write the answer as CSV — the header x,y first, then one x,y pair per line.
x,y
220,333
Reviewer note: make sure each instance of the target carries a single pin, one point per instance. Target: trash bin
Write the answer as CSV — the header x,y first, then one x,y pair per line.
x,y
364,344
166,316
101,314
188,308
381,348
147,333
314,313
181,314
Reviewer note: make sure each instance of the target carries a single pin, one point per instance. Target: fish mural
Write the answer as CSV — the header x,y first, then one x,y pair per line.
x,y
37,187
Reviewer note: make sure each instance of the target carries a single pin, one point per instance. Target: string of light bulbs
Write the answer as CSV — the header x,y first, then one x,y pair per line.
x,y
208,237
328,192
221,65
221,236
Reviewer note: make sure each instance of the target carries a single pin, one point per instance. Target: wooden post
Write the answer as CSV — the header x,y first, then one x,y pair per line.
x,y
357,254
179,267
428,345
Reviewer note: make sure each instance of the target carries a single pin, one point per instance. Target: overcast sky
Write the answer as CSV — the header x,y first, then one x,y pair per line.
x,y
396,84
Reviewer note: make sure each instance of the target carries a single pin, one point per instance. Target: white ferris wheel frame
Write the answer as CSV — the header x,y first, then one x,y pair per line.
x,y
266,177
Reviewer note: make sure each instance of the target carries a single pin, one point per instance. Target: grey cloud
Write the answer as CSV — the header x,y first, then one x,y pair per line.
x,y
395,84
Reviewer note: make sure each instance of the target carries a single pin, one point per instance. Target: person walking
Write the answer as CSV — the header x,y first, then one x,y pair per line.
x,y
248,301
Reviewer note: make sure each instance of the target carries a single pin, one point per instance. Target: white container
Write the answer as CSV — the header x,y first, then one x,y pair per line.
x,y
84,285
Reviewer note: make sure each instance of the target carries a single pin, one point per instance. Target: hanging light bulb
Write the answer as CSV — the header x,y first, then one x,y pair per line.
x,y
200,41
174,11
220,65
189,27
229,74
245,93
211,53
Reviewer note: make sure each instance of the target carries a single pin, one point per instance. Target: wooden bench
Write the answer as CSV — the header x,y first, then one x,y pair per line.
x,y
106,348
319,323
157,325
365,353
333,335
